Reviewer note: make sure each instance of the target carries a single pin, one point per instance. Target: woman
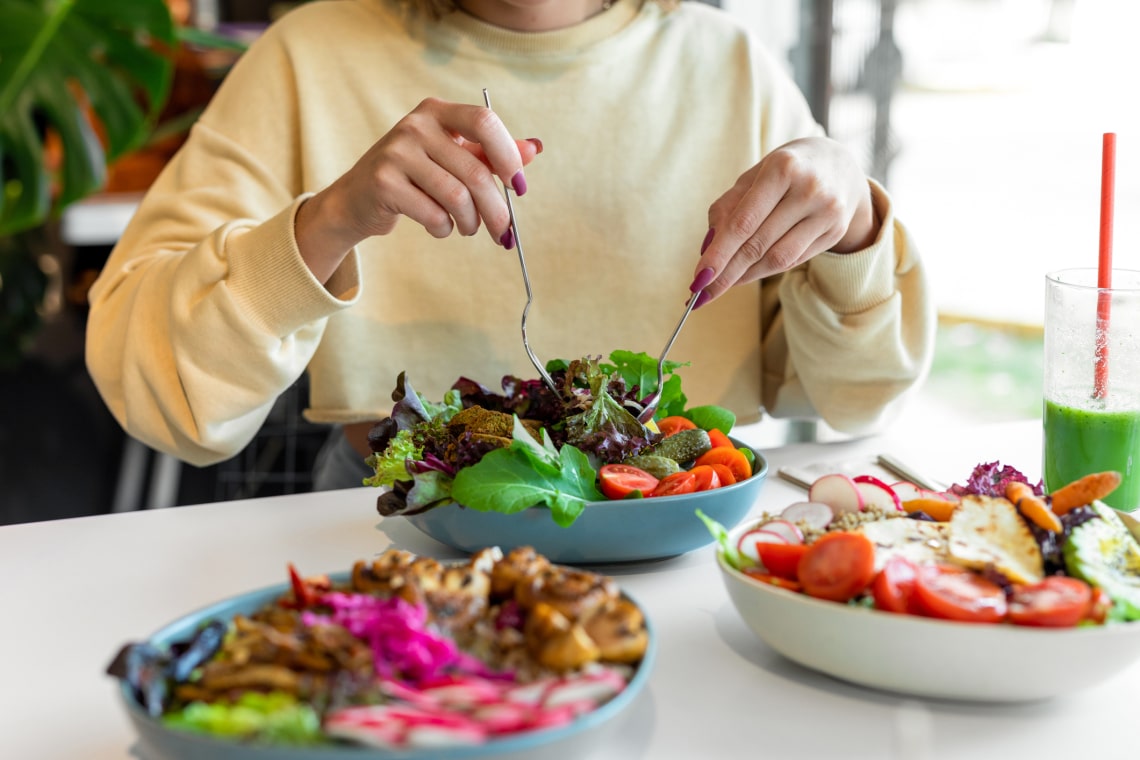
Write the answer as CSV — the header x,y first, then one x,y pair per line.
x,y
324,216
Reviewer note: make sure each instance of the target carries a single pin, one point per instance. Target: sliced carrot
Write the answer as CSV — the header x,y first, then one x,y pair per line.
x,y
1032,506
733,458
939,509
719,439
1084,491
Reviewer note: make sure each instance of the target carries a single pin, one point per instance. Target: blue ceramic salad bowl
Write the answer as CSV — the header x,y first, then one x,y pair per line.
x,y
157,741
626,530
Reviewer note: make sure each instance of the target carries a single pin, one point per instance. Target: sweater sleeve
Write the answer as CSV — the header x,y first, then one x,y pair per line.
x,y
847,335
205,311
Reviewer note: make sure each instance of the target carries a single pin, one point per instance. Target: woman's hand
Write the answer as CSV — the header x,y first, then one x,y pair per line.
x,y
436,166
803,198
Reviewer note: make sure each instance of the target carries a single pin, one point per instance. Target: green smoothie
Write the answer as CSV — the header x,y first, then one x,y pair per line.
x,y
1080,441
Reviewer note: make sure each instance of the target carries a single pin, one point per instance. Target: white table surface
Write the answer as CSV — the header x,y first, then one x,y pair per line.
x,y
74,590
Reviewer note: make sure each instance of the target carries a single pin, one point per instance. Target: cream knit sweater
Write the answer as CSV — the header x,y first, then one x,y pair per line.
x,y
205,311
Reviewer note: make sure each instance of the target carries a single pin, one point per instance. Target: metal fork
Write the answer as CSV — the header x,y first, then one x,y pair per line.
x,y
526,278
651,401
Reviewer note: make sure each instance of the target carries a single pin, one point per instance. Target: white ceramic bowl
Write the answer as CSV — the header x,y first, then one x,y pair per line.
x,y
925,657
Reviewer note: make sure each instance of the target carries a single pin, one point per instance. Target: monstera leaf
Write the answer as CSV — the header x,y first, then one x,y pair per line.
x,y
93,74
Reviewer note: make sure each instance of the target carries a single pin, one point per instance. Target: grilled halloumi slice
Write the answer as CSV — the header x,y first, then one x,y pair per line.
x,y
919,541
988,531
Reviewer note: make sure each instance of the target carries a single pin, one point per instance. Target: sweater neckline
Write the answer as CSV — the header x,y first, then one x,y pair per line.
x,y
575,38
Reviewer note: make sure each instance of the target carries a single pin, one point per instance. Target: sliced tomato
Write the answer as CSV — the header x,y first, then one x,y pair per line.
x,y
725,474
707,478
719,440
670,425
677,483
730,457
955,593
893,587
1055,602
617,481
838,566
782,560
757,573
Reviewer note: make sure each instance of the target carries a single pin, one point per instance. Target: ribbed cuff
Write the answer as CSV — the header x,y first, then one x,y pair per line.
x,y
268,276
853,282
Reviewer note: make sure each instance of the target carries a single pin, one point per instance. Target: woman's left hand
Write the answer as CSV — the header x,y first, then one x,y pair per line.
x,y
806,197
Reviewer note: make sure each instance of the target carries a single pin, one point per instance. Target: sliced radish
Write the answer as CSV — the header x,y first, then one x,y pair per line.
x,y
944,495
814,514
838,492
785,528
428,735
746,545
907,491
504,718
878,493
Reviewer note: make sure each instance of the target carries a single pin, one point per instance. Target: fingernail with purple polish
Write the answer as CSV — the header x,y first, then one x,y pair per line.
x,y
702,280
702,299
518,182
708,239
508,239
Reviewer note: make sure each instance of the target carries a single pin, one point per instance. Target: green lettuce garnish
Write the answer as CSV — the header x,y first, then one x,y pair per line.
x,y
275,718
526,474
732,556
390,464
711,417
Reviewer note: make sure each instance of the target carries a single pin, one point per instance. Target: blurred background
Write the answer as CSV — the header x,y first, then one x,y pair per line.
x,y
983,118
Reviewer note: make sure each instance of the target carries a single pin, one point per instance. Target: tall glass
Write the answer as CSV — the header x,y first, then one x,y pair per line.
x,y
1092,380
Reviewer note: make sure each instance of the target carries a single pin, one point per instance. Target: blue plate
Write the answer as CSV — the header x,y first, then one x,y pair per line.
x,y
158,742
628,530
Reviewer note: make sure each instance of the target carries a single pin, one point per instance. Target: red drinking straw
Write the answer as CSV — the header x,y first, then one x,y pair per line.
x,y
1104,265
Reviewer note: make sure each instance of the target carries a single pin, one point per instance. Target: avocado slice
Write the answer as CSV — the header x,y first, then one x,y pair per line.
x,y
1103,553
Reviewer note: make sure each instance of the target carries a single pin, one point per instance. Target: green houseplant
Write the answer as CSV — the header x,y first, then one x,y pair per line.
x,y
81,83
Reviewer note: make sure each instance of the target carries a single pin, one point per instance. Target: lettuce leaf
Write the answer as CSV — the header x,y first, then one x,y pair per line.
x,y
639,369
731,555
711,417
391,464
527,474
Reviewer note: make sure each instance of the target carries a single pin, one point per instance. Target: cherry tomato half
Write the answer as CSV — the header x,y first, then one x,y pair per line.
x,y
893,587
1055,602
732,458
757,573
720,440
618,481
670,425
781,560
677,483
1100,606
707,477
726,476
955,593
838,566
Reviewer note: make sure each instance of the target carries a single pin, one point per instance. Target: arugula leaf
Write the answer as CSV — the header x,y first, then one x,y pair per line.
x,y
528,474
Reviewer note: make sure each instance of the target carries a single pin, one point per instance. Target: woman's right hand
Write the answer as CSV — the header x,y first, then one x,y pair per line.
x,y
436,166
